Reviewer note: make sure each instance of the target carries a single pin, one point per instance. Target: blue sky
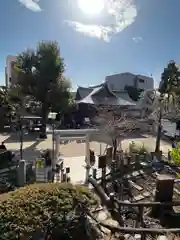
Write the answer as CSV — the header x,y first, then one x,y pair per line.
x,y
139,36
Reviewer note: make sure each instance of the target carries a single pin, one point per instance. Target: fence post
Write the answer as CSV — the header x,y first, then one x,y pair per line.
x,y
22,173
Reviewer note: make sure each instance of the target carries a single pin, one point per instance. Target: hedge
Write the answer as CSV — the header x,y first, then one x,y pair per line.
x,y
48,210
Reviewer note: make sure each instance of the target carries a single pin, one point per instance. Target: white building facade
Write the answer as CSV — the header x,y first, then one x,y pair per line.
x,y
10,74
118,82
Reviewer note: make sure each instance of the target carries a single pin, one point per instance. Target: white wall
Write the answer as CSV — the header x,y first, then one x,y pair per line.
x,y
9,60
117,82
144,82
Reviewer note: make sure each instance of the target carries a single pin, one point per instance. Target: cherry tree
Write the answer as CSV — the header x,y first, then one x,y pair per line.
x,y
115,123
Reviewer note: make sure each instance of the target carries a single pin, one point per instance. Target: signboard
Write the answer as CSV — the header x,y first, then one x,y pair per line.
x,y
102,161
40,163
41,171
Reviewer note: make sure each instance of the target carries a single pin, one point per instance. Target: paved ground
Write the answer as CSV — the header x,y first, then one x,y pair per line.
x,y
73,152
31,145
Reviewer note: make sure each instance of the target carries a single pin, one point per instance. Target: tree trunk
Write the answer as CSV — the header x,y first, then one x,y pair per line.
x,y
158,138
21,139
44,121
114,148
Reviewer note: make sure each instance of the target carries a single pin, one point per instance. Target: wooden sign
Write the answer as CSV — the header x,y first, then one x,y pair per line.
x,y
41,171
40,163
102,161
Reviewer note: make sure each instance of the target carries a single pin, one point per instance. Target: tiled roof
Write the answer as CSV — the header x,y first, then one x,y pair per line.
x,y
101,95
124,95
88,98
82,92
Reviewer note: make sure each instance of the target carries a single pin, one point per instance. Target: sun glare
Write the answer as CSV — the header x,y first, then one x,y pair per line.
x,y
91,6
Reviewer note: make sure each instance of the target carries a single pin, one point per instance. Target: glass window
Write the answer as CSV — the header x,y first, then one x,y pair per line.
x,y
141,80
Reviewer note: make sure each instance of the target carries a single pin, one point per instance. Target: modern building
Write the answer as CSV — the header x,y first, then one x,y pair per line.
x,y
10,73
118,82
113,94
113,90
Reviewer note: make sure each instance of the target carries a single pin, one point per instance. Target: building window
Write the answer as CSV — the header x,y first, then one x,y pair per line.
x,y
141,80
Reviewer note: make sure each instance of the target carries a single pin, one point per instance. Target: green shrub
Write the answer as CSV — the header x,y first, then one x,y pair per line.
x,y
8,181
175,154
47,210
137,148
6,159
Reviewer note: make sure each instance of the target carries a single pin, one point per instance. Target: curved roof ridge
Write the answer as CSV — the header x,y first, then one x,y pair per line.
x,y
91,87
79,87
107,86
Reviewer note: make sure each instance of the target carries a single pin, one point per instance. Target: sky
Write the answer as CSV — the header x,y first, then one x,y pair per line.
x,y
96,37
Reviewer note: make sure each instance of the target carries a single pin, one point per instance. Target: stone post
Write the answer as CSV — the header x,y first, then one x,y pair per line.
x,y
88,166
57,148
109,155
164,193
94,173
169,155
154,128
21,173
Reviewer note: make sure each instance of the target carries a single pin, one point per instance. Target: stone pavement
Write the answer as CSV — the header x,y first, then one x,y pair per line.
x,y
32,147
72,152
77,168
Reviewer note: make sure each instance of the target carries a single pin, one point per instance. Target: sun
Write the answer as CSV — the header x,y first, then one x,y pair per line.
x,y
91,6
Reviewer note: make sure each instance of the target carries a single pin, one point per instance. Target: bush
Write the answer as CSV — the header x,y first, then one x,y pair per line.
x,y
48,210
5,159
175,154
137,148
8,181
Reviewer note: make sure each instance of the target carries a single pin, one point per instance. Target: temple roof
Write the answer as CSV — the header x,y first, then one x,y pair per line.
x,y
124,95
101,95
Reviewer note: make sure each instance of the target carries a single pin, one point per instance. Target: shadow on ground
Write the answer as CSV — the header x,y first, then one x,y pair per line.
x,y
15,137
30,153
104,138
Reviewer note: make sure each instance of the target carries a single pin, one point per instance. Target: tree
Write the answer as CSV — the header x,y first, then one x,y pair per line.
x,y
114,126
64,100
170,79
155,106
4,106
162,103
41,75
133,92
9,103
169,82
